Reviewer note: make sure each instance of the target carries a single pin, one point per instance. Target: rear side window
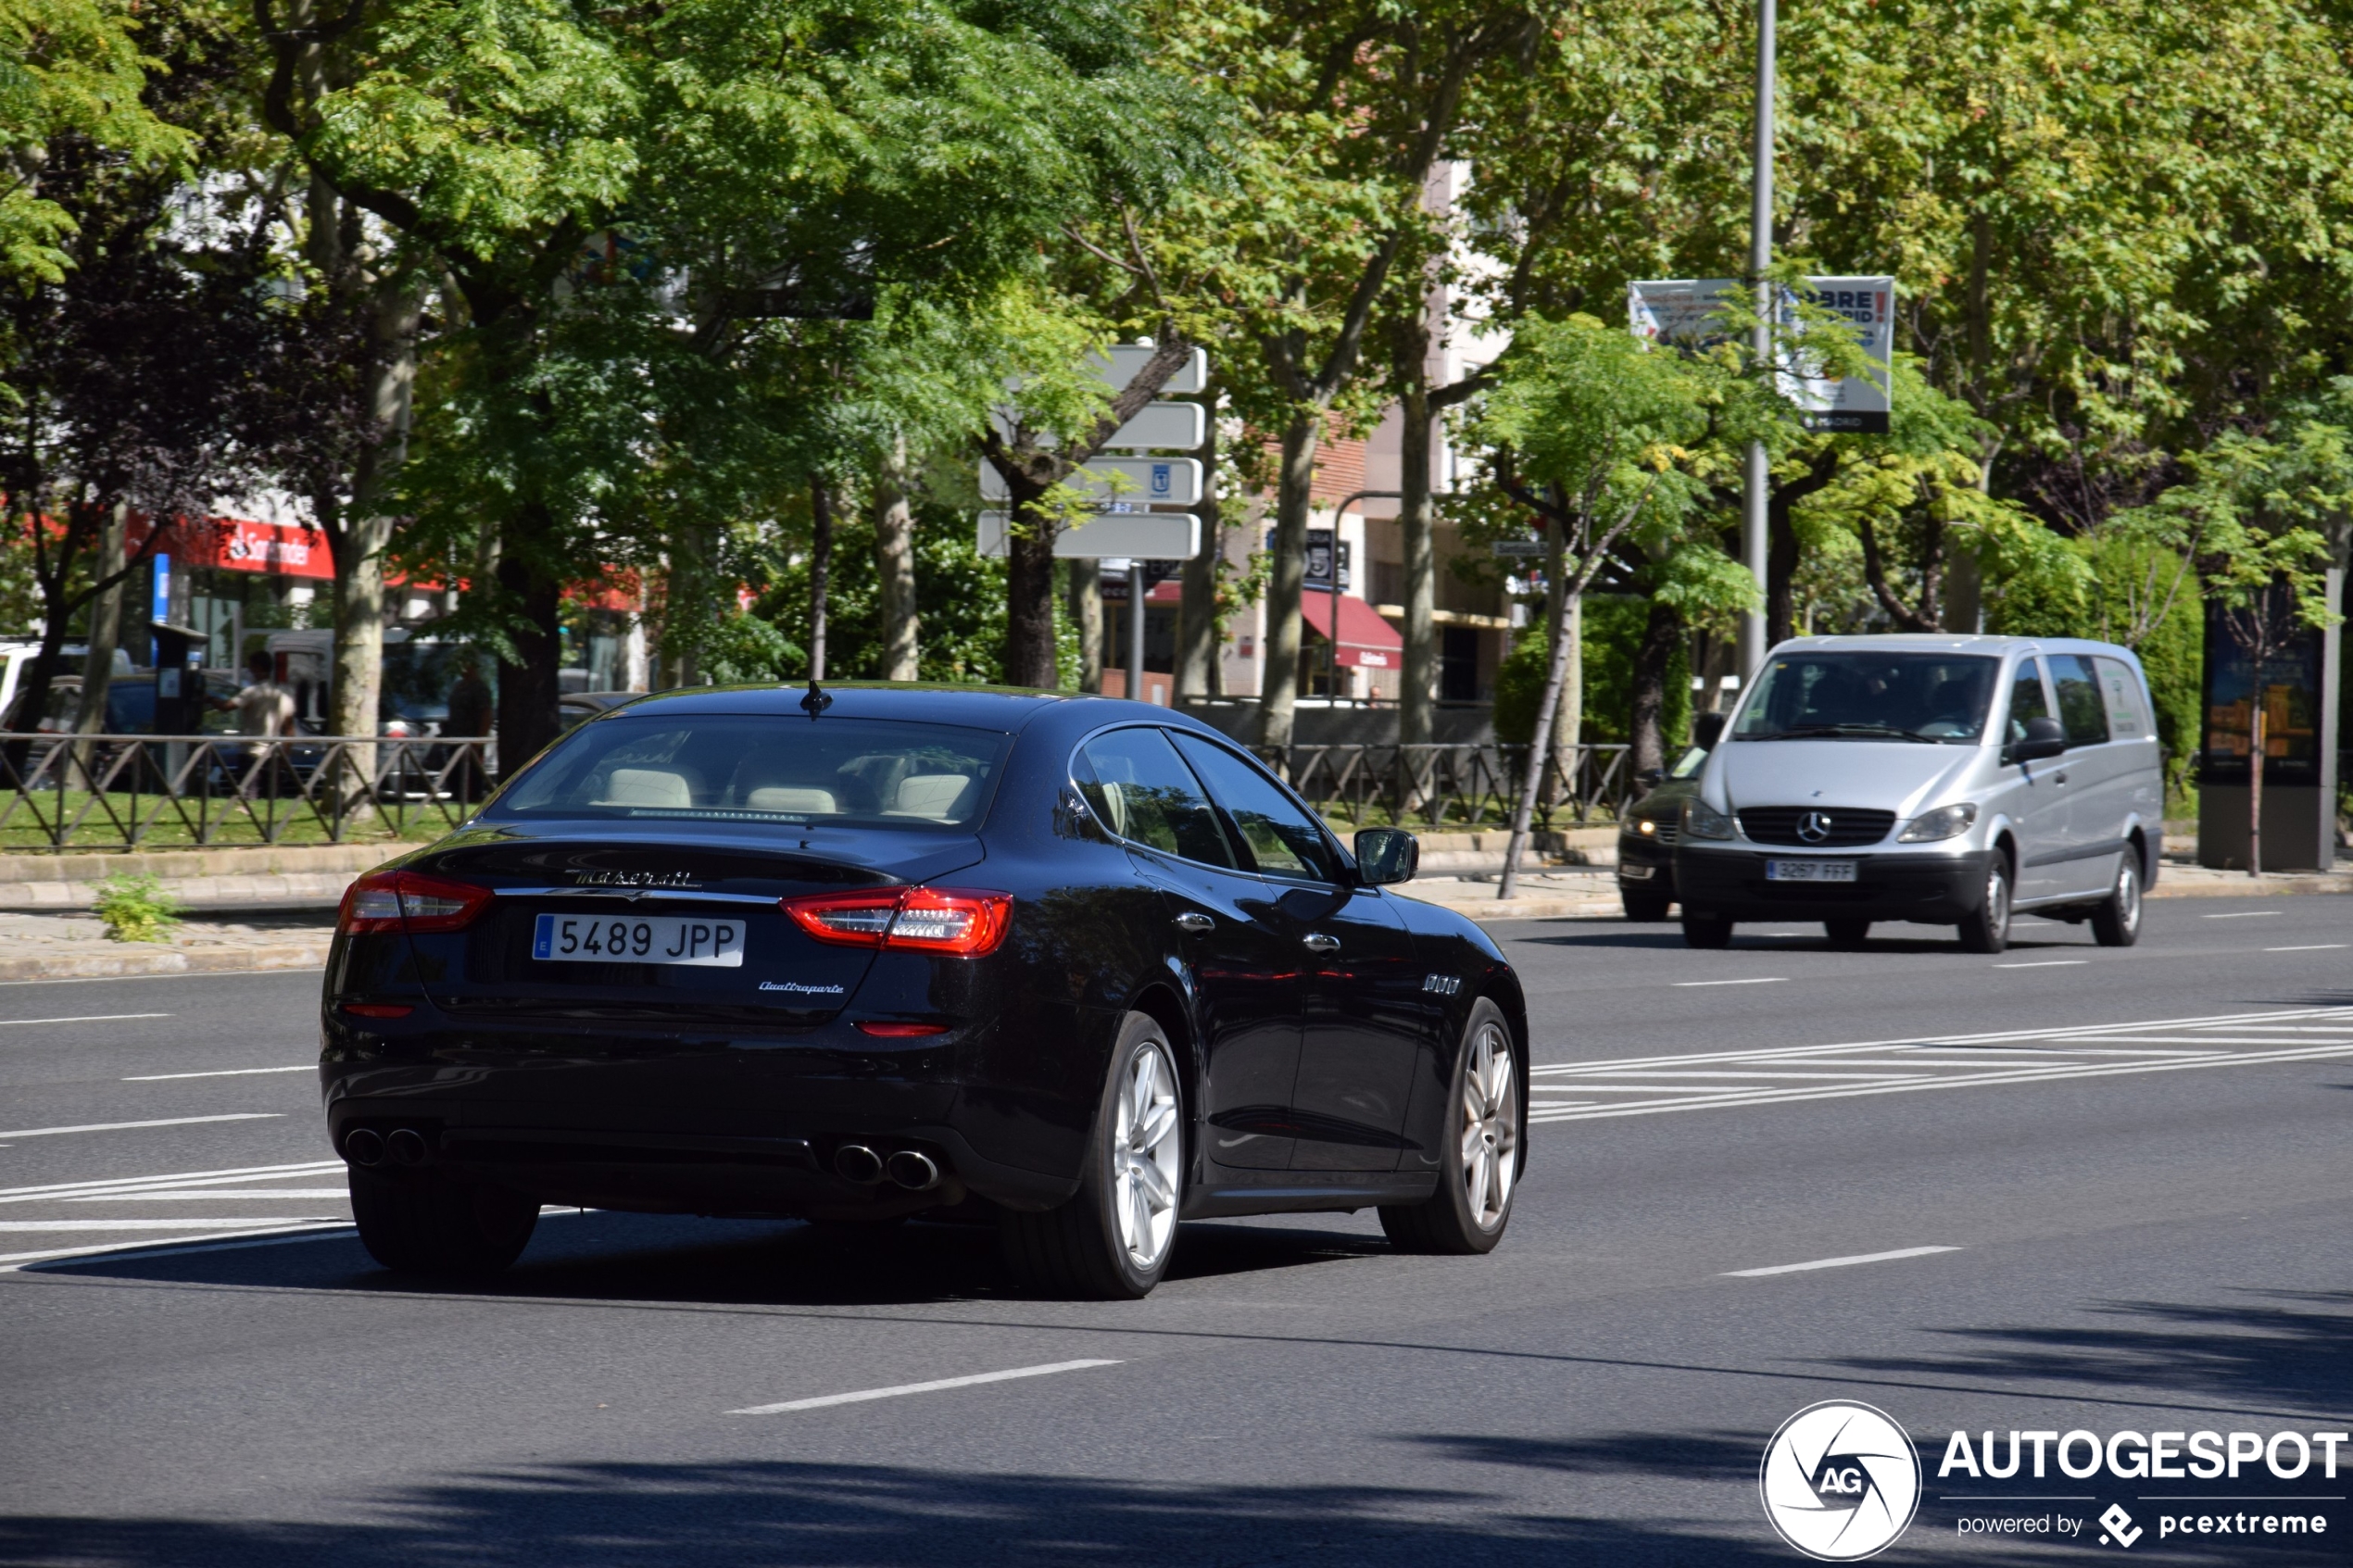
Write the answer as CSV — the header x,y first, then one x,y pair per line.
x,y
2027,700
1282,840
2079,705
726,767
1143,791
2120,689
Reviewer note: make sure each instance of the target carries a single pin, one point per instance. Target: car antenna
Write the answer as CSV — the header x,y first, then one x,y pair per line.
x,y
814,701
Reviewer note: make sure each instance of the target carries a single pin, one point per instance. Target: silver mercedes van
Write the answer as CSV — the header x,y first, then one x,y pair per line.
x,y
1940,780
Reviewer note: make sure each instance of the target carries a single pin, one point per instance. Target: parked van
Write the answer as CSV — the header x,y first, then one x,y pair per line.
x,y
1940,780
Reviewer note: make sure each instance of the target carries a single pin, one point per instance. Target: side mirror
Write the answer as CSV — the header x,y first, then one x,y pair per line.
x,y
1706,730
2044,737
1651,778
1387,854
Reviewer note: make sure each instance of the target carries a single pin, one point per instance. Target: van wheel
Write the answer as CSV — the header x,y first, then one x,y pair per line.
x,y
1707,931
1645,905
1112,1240
1847,935
2116,920
1987,929
435,1226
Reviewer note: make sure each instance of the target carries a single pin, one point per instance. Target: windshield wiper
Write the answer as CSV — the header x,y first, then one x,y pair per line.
x,y
1861,731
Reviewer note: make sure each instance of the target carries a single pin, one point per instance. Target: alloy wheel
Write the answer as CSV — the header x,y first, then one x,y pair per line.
x,y
1490,1127
1146,1150
1997,902
2128,898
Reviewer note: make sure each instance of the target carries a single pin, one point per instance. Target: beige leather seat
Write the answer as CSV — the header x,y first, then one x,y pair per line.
x,y
929,794
666,788
784,798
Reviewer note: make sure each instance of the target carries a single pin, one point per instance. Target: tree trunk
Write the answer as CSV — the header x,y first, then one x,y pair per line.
x,y
1780,572
1197,629
528,688
1417,688
1278,687
1540,746
105,626
820,566
1030,602
1555,594
2254,780
1660,634
1086,615
1568,715
356,541
895,567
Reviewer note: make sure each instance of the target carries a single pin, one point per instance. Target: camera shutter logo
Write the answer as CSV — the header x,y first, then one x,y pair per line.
x,y
1814,827
1839,1480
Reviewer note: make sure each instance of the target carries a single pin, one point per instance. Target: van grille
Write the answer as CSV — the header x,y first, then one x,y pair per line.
x,y
1847,827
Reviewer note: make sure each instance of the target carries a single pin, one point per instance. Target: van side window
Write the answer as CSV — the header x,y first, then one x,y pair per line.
x,y
2121,691
2081,708
2027,700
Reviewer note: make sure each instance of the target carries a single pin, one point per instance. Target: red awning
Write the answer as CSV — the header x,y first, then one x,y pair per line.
x,y
1365,638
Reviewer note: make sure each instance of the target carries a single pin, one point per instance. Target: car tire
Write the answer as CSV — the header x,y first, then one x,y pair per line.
x,y
1987,927
1707,931
1645,905
1481,1153
1112,1240
2116,919
1847,935
431,1225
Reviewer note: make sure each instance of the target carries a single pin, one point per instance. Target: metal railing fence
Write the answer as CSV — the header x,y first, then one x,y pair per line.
x,y
1452,786
63,792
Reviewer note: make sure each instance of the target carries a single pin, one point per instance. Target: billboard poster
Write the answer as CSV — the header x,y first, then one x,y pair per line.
x,y
1689,314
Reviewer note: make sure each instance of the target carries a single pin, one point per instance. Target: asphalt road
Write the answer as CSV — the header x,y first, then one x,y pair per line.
x,y
2132,1167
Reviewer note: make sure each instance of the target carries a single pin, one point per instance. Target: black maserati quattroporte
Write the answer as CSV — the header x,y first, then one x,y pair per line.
x,y
1078,965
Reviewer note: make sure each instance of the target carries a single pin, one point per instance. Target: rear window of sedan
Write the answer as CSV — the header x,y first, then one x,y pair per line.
x,y
749,768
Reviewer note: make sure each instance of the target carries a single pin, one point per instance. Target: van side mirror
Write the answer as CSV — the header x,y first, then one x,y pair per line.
x,y
1706,730
1387,854
2044,737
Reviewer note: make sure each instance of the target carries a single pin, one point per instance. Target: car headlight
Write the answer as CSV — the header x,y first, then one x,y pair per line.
x,y
1703,821
1946,821
1646,827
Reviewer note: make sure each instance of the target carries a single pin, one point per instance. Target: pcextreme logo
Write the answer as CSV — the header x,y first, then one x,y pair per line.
x,y
1839,1480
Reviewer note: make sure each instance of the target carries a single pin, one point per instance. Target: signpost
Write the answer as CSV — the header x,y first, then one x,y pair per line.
x,y
1521,548
1157,427
1157,481
1153,536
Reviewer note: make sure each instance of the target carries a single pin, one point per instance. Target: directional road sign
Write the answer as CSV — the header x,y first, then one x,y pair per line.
x,y
1517,547
1157,427
1157,481
1119,365
1152,536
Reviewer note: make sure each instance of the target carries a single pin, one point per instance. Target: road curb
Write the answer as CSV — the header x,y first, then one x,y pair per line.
x,y
137,960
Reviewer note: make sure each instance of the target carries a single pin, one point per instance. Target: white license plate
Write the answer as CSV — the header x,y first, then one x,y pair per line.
x,y
704,942
1809,871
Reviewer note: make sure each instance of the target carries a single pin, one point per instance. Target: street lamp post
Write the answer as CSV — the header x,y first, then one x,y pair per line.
x,y
1753,531
1331,663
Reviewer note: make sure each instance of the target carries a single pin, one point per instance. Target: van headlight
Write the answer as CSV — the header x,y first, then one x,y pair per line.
x,y
1946,821
1703,821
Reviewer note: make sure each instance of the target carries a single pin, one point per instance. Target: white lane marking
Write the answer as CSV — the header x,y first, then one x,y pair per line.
x,y
2342,1038
203,1194
1699,1073
208,1223
1838,1262
1767,980
225,1073
177,1179
2045,963
227,1241
118,1126
2310,947
80,1018
2041,1075
893,1393
2244,914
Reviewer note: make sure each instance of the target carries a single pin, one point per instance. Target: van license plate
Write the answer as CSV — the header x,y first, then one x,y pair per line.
x,y
1809,871
707,944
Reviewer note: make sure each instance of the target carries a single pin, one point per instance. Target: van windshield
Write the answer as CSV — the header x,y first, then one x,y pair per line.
x,y
758,769
1940,698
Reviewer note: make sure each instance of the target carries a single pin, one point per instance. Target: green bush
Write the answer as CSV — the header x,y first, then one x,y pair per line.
x,y
137,908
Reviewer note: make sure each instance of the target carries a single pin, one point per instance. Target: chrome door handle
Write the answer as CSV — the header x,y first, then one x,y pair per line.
x,y
1192,920
1319,943
2062,778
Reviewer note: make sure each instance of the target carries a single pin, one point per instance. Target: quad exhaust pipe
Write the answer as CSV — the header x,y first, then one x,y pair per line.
x,y
367,1147
905,1168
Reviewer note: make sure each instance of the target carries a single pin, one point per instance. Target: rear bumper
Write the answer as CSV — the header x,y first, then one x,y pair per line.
x,y
662,1121
1935,889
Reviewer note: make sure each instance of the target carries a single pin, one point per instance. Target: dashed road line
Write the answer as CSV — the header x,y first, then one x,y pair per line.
x,y
822,1400
1838,1262
120,1126
1765,980
80,1018
223,1072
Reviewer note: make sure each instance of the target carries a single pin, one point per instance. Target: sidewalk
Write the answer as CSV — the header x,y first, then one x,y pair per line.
x,y
308,876
76,946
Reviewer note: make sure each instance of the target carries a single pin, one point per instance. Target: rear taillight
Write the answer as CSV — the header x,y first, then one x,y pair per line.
x,y
950,921
388,902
